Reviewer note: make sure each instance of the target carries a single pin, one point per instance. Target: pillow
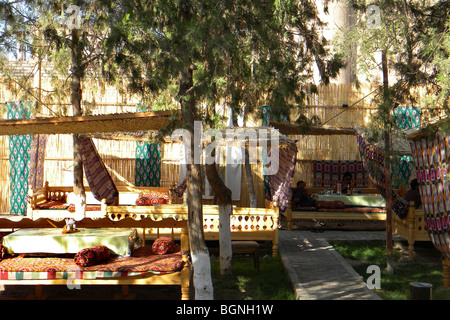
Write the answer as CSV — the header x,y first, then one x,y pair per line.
x,y
152,199
91,256
163,245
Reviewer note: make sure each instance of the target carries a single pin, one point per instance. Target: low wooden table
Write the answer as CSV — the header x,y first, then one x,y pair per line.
x,y
52,240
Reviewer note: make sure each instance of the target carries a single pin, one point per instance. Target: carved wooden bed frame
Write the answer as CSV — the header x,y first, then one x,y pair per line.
x,y
180,278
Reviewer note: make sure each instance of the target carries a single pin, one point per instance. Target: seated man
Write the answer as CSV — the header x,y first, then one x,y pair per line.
x,y
301,197
346,183
413,194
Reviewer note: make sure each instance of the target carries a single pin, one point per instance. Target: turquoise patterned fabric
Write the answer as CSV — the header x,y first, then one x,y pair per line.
x,y
402,168
148,161
19,158
406,117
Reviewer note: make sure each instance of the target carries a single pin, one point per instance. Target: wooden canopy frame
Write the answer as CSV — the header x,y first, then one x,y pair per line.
x,y
121,122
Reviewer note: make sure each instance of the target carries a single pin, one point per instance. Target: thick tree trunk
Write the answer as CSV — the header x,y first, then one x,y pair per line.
x,y
199,251
76,96
224,201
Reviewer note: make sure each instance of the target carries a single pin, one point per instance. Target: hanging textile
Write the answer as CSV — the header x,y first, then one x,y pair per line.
x,y
406,117
373,159
100,182
266,118
19,157
281,182
37,158
148,164
327,173
402,168
148,160
432,156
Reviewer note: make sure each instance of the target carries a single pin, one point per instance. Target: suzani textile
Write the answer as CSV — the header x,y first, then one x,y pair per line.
x,y
327,173
432,157
19,158
373,159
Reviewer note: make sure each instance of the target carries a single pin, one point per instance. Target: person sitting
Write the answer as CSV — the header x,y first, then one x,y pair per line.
x,y
346,183
413,194
301,197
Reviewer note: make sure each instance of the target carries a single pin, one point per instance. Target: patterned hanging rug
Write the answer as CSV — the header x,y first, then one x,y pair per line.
x,y
19,158
432,156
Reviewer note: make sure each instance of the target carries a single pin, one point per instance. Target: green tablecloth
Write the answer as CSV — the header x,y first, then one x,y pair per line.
x,y
52,240
360,200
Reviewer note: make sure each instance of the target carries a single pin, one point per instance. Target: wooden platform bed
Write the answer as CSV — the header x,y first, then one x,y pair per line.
x,y
412,228
256,224
142,267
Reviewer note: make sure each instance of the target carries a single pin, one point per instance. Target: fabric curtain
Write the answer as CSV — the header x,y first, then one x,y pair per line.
x,y
37,158
148,160
373,159
19,158
281,182
432,156
100,182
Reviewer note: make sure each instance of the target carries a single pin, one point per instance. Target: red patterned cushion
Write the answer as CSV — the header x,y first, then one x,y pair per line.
x,y
52,204
330,205
152,199
163,245
91,256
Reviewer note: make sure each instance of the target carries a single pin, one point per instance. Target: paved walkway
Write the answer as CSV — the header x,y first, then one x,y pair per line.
x,y
318,271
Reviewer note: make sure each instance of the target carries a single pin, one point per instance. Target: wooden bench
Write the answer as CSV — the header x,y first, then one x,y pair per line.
x,y
180,278
250,248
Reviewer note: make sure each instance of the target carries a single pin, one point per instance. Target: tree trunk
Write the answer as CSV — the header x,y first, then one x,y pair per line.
x,y
387,166
76,96
224,201
199,251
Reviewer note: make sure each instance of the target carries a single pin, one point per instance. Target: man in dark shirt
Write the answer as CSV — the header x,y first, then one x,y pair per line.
x,y
413,194
301,197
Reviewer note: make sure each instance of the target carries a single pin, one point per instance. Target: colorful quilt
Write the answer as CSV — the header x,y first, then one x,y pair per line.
x,y
20,268
432,158
99,180
326,173
19,158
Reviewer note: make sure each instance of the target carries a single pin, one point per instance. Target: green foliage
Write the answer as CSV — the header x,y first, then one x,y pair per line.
x,y
244,53
411,33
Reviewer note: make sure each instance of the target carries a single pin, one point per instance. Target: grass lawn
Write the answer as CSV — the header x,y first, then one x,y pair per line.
x,y
246,283
425,267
